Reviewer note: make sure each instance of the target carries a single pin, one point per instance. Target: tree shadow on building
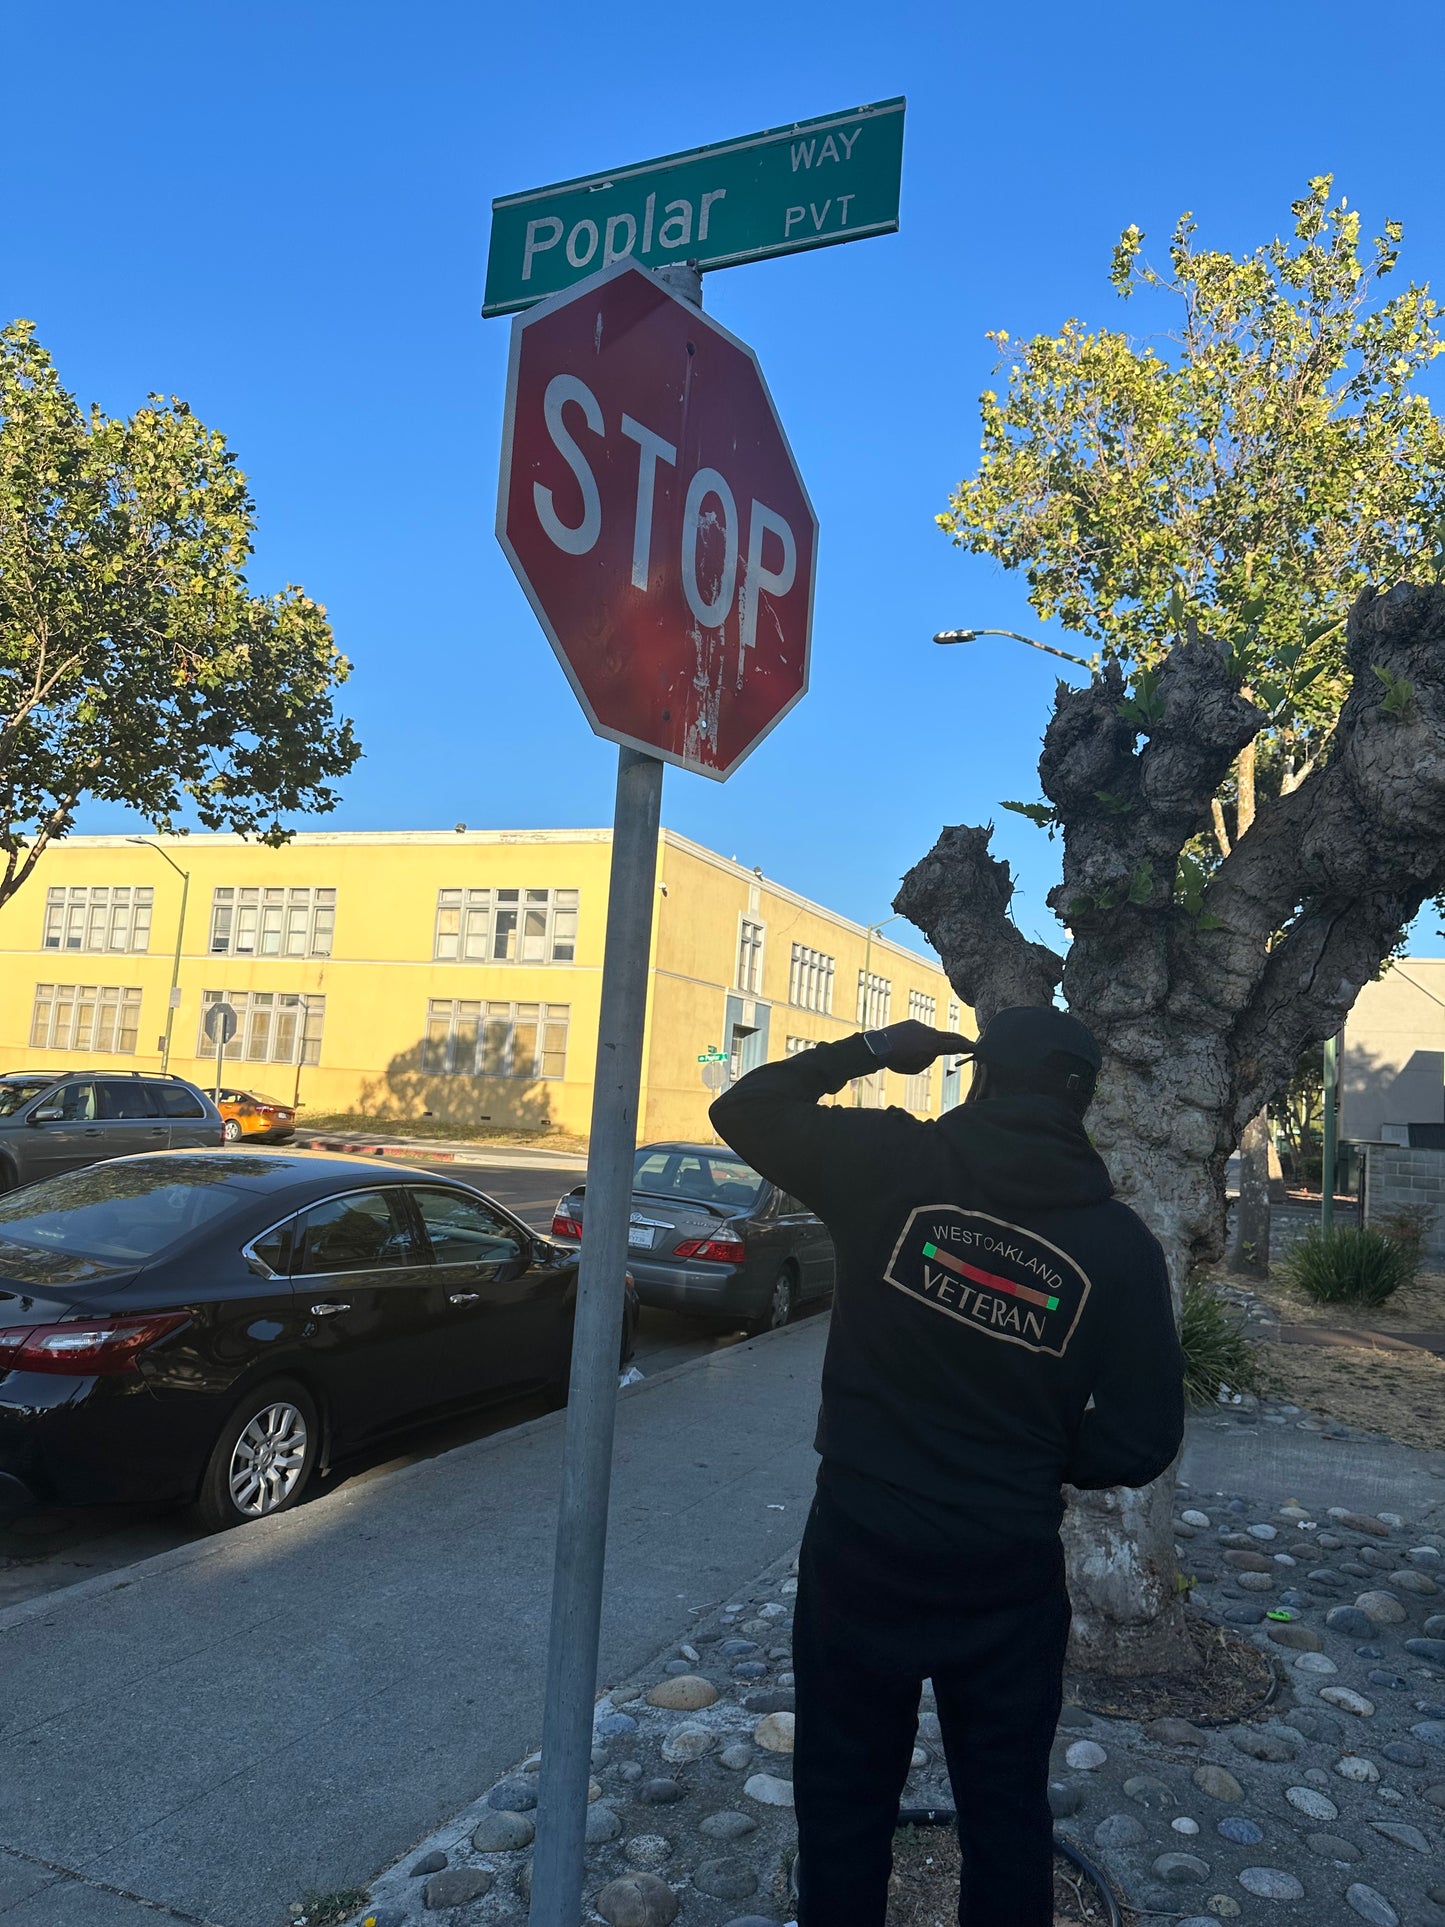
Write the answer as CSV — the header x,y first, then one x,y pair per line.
x,y
406,1090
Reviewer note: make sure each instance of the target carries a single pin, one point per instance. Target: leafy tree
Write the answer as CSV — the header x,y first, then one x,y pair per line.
x,y
136,666
1221,510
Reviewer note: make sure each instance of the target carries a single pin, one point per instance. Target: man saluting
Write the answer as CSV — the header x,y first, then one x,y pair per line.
x,y
1002,1327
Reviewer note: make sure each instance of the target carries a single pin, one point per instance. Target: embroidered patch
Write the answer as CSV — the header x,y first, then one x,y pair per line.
x,y
1000,1279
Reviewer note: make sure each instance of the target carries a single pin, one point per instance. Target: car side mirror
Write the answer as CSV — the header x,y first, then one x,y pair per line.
x,y
51,1115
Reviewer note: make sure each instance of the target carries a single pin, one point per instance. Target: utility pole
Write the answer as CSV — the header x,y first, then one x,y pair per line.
x,y
1328,1147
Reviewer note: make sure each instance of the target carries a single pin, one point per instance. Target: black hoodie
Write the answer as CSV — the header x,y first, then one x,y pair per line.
x,y
1002,1324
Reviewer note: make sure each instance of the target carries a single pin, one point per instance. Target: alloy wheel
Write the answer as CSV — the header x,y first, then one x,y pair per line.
x,y
231,1131
267,1460
780,1310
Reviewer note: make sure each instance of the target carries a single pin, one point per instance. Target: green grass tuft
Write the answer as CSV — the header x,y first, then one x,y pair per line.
x,y
1349,1265
1216,1351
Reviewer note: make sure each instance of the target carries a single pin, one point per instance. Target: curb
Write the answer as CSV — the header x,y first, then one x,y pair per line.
x,y
376,1150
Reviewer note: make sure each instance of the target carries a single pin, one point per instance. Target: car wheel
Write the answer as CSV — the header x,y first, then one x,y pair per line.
x,y
263,1459
782,1301
231,1130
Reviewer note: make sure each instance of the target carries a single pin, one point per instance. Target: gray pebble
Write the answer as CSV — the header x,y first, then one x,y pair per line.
x,y
1350,1621
1065,1800
1315,1725
637,1900
1118,1830
737,1756
602,1824
1169,1732
1149,1792
1371,1906
1243,1833
1403,1753
725,1879
1297,1638
648,1850
1332,1846
629,1772
1259,1745
1313,1805
759,1920
1402,1835
1256,1581
498,1832
661,1792
1217,1782
513,1796
1432,1732
456,1886
728,1825
429,1863
1271,1883
1432,1650
1182,1869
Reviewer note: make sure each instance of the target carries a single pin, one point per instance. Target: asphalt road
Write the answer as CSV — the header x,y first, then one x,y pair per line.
x,y
54,1546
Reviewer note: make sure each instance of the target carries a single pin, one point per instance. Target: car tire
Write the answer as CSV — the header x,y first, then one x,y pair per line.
x,y
231,1130
782,1303
262,1461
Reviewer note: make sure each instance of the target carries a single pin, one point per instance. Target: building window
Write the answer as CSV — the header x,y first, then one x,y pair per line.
x,y
918,1090
875,1000
793,1045
750,957
471,1038
97,919
101,1018
923,1007
272,923
810,979
506,926
272,1026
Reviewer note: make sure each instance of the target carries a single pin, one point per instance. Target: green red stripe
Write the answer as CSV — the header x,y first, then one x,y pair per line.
x,y
990,1280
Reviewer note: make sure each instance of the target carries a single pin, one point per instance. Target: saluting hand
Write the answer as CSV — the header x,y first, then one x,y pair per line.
x,y
910,1047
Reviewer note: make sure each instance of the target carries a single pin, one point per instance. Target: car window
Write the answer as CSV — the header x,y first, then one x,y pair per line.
x,y
359,1232
273,1247
790,1207
125,1098
177,1100
112,1214
14,1095
700,1175
461,1229
75,1102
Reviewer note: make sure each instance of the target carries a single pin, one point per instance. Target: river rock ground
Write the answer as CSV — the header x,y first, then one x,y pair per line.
x,y
1326,1808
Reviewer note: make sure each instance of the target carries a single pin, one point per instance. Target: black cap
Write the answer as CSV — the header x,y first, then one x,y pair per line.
x,y
1025,1038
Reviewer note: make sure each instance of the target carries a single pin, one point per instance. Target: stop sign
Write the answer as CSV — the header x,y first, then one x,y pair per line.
x,y
654,514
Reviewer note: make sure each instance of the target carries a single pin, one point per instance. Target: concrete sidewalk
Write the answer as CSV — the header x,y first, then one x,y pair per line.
x,y
281,1711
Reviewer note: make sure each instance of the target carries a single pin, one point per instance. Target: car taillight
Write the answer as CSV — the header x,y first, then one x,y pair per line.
x,y
565,1227
83,1348
723,1250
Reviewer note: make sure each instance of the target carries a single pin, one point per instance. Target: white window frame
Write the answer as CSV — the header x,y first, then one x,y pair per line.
x,y
527,926
875,1004
103,1020
272,1026
918,1092
114,918
752,943
479,1037
792,1045
259,921
810,979
923,1008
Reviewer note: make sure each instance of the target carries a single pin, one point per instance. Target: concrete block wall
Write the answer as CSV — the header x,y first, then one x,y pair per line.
x,y
1397,1175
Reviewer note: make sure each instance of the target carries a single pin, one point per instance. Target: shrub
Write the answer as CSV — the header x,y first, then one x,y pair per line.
x,y
1348,1265
1407,1225
1216,1351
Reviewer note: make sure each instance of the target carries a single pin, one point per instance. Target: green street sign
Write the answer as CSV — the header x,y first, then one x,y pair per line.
x,y
809,185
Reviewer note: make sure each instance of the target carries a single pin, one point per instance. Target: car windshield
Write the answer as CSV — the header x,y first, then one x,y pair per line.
x,y
702,1176
109,1215
15,1093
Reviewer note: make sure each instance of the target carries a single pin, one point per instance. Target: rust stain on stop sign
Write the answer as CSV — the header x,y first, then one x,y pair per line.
x,y
653,512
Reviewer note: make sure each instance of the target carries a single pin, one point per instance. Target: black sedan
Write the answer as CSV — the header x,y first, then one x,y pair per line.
x,y
184,1327
709,1235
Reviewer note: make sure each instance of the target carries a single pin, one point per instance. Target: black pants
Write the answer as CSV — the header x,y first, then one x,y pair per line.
x,y
873,1620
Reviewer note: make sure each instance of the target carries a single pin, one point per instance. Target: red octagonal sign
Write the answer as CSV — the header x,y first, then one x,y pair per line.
x,y
654,514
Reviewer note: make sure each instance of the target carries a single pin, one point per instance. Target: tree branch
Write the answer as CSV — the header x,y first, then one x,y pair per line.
x,y
958,896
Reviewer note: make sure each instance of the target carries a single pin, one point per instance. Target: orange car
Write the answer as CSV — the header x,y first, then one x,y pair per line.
x,y
246,1114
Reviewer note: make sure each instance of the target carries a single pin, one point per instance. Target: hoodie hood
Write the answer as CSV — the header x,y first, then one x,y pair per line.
x,y
1027,1152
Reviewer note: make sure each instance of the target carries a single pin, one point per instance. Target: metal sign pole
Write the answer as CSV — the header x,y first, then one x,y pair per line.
x,y
596,1344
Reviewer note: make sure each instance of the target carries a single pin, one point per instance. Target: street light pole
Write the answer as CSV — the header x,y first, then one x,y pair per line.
x,y
869,933
1328,1149
972,635
185,878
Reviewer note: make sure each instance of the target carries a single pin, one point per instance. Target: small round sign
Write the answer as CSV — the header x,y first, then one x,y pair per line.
x,y
715,1074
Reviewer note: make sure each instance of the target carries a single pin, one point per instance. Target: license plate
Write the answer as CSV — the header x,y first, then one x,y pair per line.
x,y
641,1237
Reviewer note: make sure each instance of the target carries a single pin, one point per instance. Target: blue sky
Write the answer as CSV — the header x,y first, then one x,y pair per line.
x,y
280,213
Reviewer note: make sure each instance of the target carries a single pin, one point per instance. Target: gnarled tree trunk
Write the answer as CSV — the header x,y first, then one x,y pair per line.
x,y
1200,1017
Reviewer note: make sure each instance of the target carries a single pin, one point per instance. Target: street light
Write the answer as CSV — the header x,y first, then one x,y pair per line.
x,y
972,635
185,878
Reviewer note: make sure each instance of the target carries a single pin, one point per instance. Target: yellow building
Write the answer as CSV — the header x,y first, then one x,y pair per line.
x,y
459,974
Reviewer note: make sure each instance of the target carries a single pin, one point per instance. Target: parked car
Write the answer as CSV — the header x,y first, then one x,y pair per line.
x,y
246,1114
708,1234
53,1121
195,1327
